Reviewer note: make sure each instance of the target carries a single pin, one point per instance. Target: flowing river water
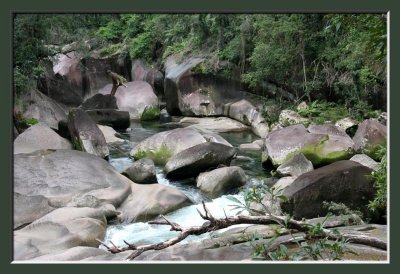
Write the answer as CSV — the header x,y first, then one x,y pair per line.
x,y
143,233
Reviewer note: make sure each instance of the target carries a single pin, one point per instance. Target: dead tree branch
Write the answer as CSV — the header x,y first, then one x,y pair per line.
x,y
213,224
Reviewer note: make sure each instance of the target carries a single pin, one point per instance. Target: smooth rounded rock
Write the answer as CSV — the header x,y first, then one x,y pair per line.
x,y
220,180
38,137
192,161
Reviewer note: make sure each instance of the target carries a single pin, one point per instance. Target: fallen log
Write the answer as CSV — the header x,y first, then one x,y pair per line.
x,y
216,224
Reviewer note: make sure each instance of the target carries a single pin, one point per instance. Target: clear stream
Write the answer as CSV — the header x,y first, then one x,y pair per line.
x,y
143,233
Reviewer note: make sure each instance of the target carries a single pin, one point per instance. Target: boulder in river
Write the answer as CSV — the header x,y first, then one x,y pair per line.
x,y
347,124
248,114
110,117
148,201
137,98
63,79
369,136
142,72
197,159
44,109
296,166
365,160
110,135
219,124
62,175
289,117
142,171
320,144
29,208
100,101
61,230
344,181
161,146
38,137
76,253
85,134
220,180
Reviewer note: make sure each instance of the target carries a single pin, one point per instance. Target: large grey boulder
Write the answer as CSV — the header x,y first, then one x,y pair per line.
x,y
110,135
100,101
63,78
38,137
192,161
29,208
284,182
85,134
248,114
77,253
320,144
289,117
61,230
341,182
220,180
148,201
346,123
44,109
370,134
142,72
70,76
365,160
142,171
175,77
110,117
219,124
161,146
296,166
62,175
135,98
190,92
254,146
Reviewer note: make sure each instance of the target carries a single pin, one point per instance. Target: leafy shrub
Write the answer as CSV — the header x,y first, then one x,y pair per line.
x,y
20,80
380,183
110,50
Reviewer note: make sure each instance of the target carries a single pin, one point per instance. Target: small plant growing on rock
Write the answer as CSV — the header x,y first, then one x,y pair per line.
x,y
312,244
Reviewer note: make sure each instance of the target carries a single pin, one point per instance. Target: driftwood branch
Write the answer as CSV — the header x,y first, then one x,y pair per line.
x,y
213,224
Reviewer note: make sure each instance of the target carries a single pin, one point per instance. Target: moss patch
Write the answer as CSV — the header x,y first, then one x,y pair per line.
x,y
77,144
150,113
317,157
160,156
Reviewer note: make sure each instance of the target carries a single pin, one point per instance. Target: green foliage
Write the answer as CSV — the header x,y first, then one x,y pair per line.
x,y
112,31
320,112
33,33
20,80
313,110
312,245
150,113
110,50
139,46
338,209
77,144
336,56
160,156
379,203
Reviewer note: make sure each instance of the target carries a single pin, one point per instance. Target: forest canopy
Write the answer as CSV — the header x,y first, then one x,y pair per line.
x,y
339,57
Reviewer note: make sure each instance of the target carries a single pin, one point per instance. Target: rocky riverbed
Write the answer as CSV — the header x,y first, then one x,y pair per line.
x,y
96,175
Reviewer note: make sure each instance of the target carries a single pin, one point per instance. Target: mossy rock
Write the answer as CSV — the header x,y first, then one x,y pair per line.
x,y
316,154
150,113
160,156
